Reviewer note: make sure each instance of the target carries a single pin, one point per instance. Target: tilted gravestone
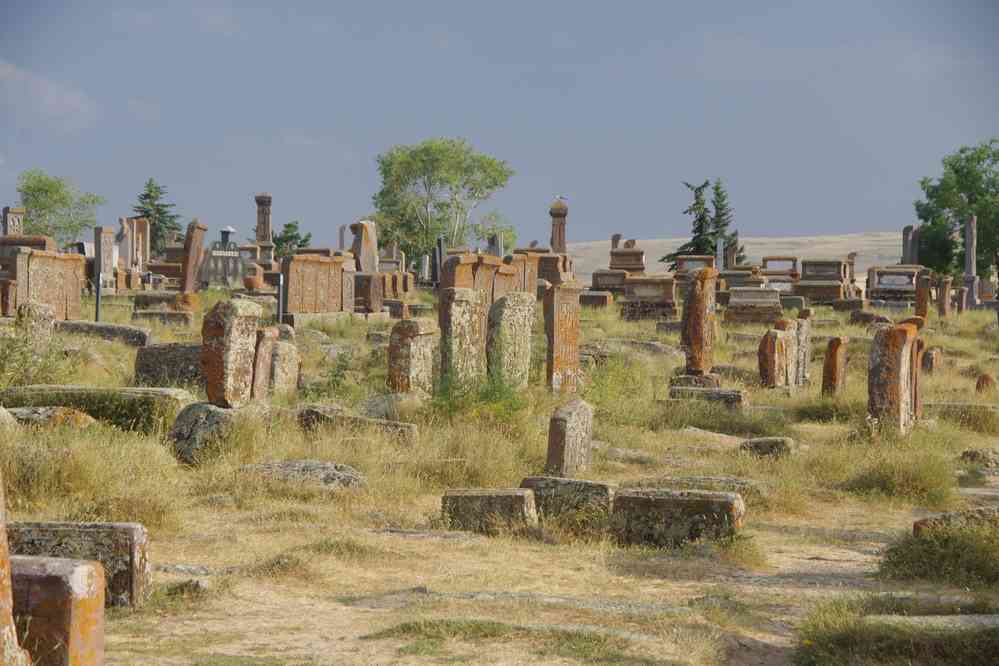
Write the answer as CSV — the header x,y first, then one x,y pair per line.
x,y
570,435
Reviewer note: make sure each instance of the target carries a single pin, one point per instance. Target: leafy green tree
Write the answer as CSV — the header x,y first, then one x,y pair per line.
x,y
290,239
163,222
54,207
432,188
494,222
722,217
968,186
701,236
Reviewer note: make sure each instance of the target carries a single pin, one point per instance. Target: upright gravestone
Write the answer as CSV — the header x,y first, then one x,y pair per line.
x,y
508,340
263,359
697,332
104,255
971,280
559,211
10,653
36,321
774,358
834,367
944,295
229,336
425,274
412,350
570,435
342,237
914,246
462,361
264,233
561,307
365,246
923,283
193,242
906,244
13,221
893,391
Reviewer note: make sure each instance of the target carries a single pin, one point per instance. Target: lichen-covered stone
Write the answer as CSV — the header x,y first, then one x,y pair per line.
x,y
893,398
412,352
133,336
181,319
286,365
923,296
463,359
944,296
327,474
36,321
561,310
697,335
316,416
119,547
570,432
130,408
169,364
774,357
263,359
554,495
60,603
229,335
489,511
508,341
772,447
197,427
666,518
834,367
731,398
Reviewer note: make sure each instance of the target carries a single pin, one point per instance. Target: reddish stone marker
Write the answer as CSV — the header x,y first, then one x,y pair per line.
x,y
985,383
943,295
773,357
923,296
570,439
193,242
262,362
893,392
697,335
10,653
834,367
62,604
413,345
561,303
229,335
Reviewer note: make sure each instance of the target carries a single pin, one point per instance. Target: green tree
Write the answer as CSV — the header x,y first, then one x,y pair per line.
x,y
54,207
432,188
163,222
290,239
494,222
701,237
722,217
968,186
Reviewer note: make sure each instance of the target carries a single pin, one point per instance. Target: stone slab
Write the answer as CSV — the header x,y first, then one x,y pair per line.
x,y
665,518
145,409
489,511
133,336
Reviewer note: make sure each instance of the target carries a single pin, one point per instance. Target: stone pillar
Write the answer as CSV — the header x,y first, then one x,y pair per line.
x,y
425,274
13,221
462,357
906,245
971,279
570,435
263,359
923,296
264,233
193,252
10,653
914,246
774,358
943,295
412,350
559,211
731,255
508,339
228,351
104,255
834,367
365,246
697,332
36,321
342,237
561,304
893,392
962,299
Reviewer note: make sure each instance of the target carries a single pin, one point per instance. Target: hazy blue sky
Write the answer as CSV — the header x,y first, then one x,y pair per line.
x,y
820,116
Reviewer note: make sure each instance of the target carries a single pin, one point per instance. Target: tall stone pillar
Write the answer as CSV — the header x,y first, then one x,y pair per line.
x,y
914,246
559,211
923,296
264,233
906,244
943,296
561,309
893,391
971,260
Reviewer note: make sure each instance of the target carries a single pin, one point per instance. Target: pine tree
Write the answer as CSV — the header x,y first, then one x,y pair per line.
x,y
721,220
163,222
290,239
701,237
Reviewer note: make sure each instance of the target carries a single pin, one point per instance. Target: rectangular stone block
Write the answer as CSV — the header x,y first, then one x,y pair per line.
x,y
463,357
178,318
133,336
987,517
412,354
508,338
368,292
262,360
561,310
570,433
554,496
731,398
596,299
893,391
665,518
59,606
169,364
489,511
834,367
286,367
119,547
229,334
129,408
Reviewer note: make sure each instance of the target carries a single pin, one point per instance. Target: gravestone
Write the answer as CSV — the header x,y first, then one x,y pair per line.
x,y
489,511
923,284
775,358
10,653
413,346
559,211
13,221
262,359
365,246
907,245
944,296
462,346
285,367
263,232
561,309
104,259
752,305
570,435
229,334
697,329
834,367
193,241
223,266
36,321
893,391
667,518
508,338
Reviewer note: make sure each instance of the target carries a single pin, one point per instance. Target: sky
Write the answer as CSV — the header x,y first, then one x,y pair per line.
x,y
820,117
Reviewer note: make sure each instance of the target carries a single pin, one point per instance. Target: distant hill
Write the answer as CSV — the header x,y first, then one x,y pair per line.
x,y
874,248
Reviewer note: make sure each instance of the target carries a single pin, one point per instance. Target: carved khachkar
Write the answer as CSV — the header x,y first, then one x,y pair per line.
x,y
893,391
13,221
561,310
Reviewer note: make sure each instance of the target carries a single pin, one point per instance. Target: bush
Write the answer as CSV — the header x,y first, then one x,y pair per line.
x,y
964,556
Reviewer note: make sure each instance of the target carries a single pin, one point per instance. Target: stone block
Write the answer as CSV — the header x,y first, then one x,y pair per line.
x,y
709,381
508,338
731,398
556,495
462,343
286,365
570,432
263,359
596,299
145,409
196,428
489,511
60,603
11,653
51,417
850,304
932,359
790,302
412,353
133,336
561,311
316,416
666,518
119,547
893,391
169,364
229,335
36,321
181,319
834,367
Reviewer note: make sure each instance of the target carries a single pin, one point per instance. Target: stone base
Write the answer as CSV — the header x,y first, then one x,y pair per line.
x,y
305,319
665,518
710,381
554,495
134,336
168,317
489,511
730,398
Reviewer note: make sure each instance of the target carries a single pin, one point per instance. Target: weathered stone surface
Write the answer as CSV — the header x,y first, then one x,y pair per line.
x,y
365,246
61,603
803,350
196,428
508,339
463,359
979,517
51,278
119,547
7,420
489,511
752,305
286,364
315,416
313,285
893,377
776,356
773,447
327,474
569,434
179,318
923,284
666,518
944,284
133,336
918,322
51,417
711,381
555,495
128,408
412,352
982,457
194,250
36,321
10,653
834,367
729,484
263,359
393,406
697,336
286,333
169,364
596,299
985,383
732,398
850,304
229,334
932,359
561,310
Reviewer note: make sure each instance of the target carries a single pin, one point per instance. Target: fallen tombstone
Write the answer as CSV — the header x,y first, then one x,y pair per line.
x,y
730,484
555,495
51,417
771,447
197,427
327,474
130,408
169,364
134,336
489,511
732,398
179,318
119,547
316,416
666,518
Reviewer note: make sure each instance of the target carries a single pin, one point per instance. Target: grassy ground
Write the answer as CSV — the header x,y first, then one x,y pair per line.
x,y
299,575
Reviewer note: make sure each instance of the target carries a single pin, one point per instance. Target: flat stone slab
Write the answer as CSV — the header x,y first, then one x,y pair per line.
x,y
134,336
665,518
128,408
327,474
167,317
51,417
730,484
729,397
489,511
555,495
312,417
936,622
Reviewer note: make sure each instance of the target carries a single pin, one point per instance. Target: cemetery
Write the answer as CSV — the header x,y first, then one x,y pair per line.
x,y
728,462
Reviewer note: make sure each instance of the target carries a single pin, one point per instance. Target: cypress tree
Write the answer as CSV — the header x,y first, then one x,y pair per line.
x,y
701,236
163,222
721,219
